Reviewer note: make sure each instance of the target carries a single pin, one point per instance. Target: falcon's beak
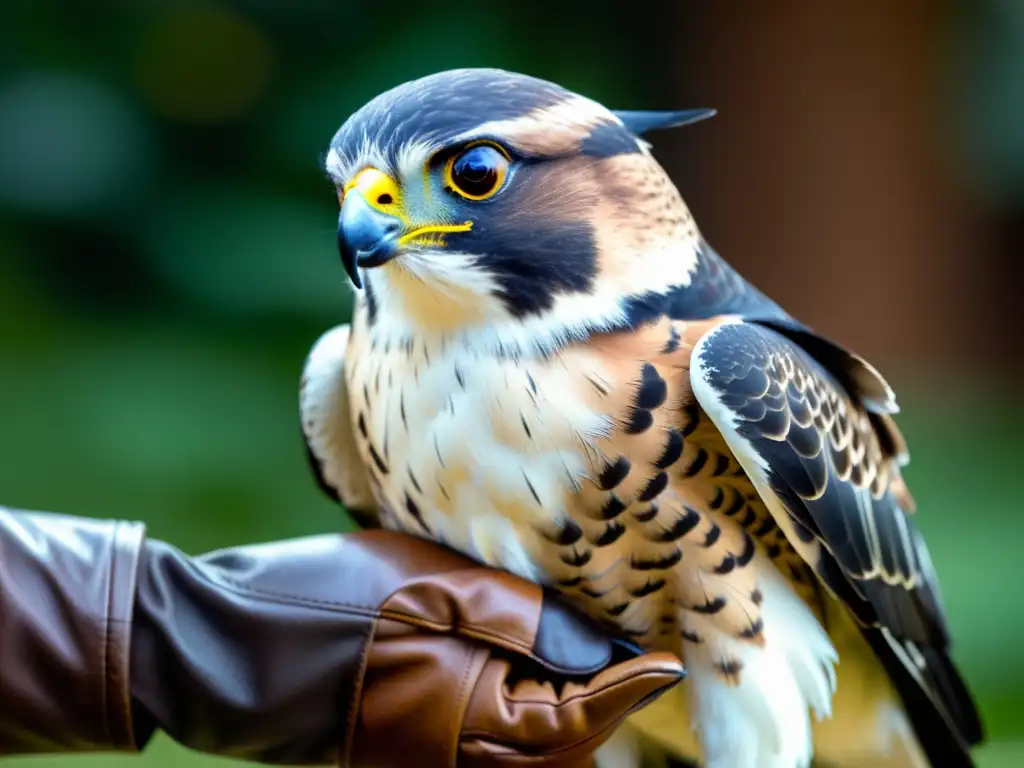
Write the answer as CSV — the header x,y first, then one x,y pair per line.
x,y
370,222
367,237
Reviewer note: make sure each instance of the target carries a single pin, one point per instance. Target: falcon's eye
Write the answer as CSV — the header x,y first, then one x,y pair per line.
x,y
478,172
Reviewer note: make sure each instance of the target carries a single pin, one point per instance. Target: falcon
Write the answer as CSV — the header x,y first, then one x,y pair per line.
x,y
550,370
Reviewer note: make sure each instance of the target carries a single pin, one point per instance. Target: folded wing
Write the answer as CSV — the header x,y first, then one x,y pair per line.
x,y
826,459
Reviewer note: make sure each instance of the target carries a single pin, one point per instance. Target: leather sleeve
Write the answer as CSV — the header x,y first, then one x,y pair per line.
x,y
67,587
106,637
251,653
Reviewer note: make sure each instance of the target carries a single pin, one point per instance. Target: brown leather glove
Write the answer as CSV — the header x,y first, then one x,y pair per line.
x,y
370,649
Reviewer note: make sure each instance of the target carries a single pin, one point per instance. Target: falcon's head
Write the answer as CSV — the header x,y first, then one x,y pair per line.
x,y
498,205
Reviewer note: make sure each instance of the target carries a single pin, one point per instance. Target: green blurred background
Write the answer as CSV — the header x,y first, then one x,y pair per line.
x,y
167,241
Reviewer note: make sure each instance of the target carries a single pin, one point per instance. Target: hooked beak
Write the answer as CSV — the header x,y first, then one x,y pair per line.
x,y
366,237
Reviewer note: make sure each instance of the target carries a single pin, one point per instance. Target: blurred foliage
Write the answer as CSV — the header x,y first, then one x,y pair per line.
x,y
167,258
990,114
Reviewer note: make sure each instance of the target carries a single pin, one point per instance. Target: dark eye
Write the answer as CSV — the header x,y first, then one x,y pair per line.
x,y
478,172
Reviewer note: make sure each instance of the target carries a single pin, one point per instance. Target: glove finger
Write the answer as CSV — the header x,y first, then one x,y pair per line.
x,y
616,692
535,717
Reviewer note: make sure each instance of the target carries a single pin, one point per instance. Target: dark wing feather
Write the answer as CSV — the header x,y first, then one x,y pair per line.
x,y
834,467
367,517
327,429
924,675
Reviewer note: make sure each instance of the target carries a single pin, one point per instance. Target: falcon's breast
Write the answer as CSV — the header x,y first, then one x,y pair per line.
x,y
594,471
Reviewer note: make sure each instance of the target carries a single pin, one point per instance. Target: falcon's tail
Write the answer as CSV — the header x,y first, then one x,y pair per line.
x,y
896,706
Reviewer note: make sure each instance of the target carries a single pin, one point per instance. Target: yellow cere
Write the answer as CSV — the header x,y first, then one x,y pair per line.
x,y
379,190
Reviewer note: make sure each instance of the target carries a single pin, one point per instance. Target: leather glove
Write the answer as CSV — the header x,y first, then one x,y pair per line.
x,y
369,649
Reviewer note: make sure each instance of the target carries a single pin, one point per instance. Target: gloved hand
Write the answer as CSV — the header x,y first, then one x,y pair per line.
x,y
368,649
470,666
